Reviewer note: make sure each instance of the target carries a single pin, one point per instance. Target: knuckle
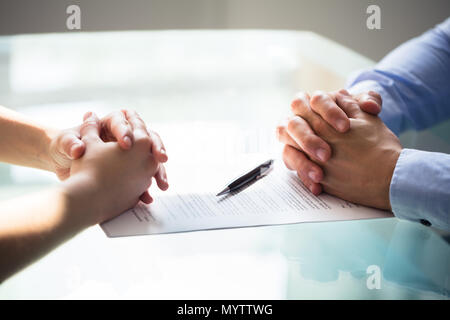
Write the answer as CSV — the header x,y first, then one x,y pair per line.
x,y
298,105
295,104
318,97
302,96
347,100
353,105
292,124
333,112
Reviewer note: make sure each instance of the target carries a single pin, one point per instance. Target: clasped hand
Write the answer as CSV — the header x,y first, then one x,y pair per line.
x,y
337,144
115,156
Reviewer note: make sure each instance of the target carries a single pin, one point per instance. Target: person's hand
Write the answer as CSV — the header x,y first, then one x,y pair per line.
x,y
111,178
66,145
359,163
119,126
313,148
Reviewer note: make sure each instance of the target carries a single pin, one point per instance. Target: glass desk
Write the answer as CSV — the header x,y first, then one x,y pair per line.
x,y
186,85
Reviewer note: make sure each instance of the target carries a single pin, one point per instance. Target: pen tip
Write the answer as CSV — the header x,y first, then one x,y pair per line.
x,y
223,192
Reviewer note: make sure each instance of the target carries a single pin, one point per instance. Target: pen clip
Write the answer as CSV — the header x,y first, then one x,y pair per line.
x,y
266,169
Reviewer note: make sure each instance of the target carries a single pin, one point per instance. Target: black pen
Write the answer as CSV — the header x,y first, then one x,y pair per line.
x,y
254,174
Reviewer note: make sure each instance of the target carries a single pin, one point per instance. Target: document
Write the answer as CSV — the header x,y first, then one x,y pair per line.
x,y
278,198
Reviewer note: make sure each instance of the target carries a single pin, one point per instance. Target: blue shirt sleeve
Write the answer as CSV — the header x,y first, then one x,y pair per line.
x,y
414,83
420,187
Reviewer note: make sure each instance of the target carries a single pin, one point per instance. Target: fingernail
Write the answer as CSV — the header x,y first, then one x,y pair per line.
x,y
314,176
341,125
321,154
127,141
162,151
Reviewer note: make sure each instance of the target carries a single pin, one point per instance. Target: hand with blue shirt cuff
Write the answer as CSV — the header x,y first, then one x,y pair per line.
x,y
309,145
366,167
412,82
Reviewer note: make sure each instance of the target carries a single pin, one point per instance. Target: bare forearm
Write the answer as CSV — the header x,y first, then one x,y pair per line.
x,y
33,225
23,142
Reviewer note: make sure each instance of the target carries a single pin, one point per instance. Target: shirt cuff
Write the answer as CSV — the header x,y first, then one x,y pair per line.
x,y
420,188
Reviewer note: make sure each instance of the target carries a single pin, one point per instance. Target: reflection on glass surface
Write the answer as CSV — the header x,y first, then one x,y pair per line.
x,y
330,260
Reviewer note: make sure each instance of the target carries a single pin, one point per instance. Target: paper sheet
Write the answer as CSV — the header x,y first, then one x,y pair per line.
x,y
278,198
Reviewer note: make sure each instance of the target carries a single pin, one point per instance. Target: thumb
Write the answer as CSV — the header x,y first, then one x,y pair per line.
x,y
370,102
90,129
69,144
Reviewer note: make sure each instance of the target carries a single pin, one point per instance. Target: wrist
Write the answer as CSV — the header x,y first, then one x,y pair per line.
x,y
45,155
82,204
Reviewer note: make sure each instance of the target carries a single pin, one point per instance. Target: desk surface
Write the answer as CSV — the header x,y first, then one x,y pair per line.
x,y
185,85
